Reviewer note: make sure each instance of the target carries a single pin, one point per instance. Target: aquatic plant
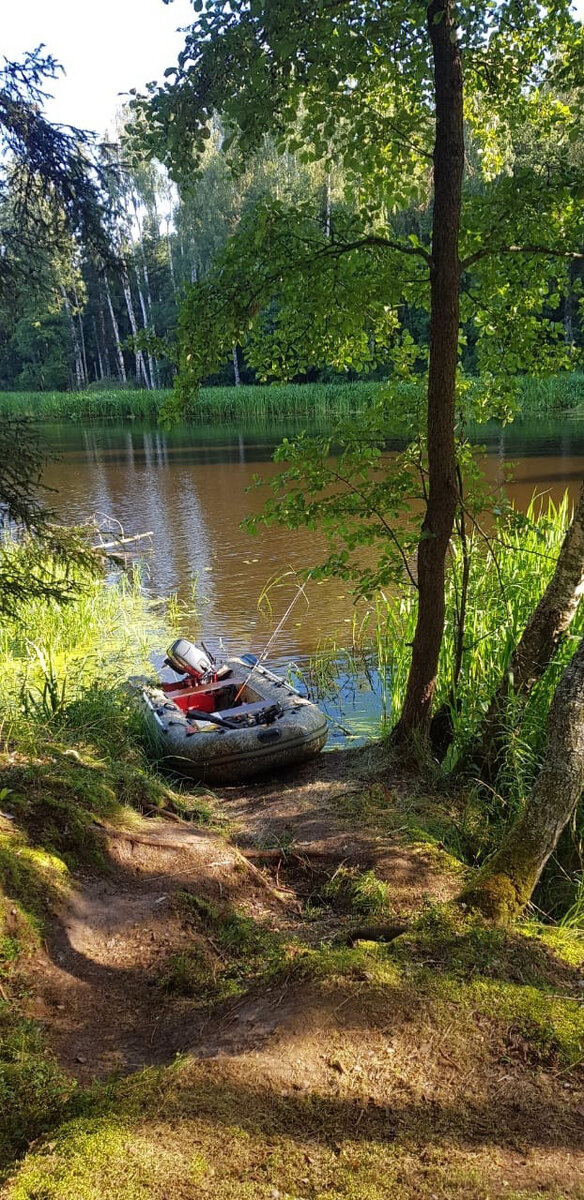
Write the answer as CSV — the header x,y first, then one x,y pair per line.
x,y
534,396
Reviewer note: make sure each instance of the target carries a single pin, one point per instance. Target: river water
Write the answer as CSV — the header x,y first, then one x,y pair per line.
x,y
188,487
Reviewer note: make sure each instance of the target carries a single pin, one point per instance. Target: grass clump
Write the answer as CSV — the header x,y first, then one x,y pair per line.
x,y
359,892
33,1089
231,953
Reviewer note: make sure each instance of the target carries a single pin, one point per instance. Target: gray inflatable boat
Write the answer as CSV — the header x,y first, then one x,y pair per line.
x,y
228,724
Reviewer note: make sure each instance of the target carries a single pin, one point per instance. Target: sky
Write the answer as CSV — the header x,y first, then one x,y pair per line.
x,y
105,46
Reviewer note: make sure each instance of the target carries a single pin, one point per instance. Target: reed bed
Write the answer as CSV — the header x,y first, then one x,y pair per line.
x,y
219,403
536,396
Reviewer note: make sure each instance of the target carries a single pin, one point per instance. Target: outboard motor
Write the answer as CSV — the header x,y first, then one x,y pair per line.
x,y
188,659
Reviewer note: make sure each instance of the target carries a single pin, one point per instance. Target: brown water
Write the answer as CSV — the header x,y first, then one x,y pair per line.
x,y
188,487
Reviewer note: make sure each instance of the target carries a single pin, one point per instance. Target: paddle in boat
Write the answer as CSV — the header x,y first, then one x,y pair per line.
x,y
222,724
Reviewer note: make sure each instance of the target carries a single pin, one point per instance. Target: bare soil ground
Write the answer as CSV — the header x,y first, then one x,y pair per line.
x,y
347,1061
96,987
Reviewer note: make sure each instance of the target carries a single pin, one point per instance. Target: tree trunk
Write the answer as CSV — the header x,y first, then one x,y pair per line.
x,y
148,321
537,645
444,325
151,367
506,884
141,373
104,345
115,327
170,262
79,316
236,375
100,370
80,378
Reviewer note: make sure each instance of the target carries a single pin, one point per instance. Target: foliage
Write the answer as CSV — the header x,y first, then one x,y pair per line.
x,y
51,560
51,181
295,289
358,892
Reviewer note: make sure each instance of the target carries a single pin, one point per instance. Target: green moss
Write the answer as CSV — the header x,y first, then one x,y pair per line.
x,y
231,953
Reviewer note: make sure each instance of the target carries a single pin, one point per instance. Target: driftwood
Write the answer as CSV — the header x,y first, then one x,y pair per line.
x,y
122,541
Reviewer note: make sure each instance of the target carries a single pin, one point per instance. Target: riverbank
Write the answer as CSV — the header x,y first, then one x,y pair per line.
x,y
266,991
563,393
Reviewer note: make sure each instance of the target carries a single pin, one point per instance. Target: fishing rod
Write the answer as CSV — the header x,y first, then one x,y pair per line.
x,y
279,626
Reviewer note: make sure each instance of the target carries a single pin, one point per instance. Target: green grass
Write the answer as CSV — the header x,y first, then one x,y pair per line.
x,y
502,595
538,396
535,396
506,582
72,756
358,892
451,998
219,403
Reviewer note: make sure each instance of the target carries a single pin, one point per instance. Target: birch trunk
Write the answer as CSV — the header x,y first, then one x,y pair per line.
x,y
141,373
170,262
506,884
538,643
236,375
79,316
100,370
147,319
116,331
145,322
104,345
444,326
80,378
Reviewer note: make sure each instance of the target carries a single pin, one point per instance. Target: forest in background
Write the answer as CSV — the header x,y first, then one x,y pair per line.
x,y
78,321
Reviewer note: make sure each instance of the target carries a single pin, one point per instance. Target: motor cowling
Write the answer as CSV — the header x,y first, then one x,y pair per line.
x,y
188,659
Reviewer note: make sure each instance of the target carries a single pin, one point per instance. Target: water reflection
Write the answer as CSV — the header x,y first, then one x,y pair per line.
x,y
189,487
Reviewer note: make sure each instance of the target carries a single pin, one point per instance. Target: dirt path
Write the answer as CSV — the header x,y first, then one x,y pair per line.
x,y
343,1066
97,987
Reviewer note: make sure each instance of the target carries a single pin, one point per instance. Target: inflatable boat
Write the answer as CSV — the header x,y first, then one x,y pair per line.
x,y
229,723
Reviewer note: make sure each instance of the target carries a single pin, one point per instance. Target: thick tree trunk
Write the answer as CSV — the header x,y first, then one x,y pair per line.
x,y
444,326
506,884
537,645
116,331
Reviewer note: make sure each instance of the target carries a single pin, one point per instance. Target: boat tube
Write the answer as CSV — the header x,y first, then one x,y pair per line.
x,y
222,725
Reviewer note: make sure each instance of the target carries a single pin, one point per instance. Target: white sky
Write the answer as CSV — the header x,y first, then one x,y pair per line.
x,y
106,47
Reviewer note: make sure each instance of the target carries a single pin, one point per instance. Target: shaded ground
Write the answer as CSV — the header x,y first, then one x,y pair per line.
x,y
96,988
444,1064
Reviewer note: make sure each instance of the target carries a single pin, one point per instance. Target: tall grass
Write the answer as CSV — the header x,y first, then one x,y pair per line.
x,y
219,403
541,395
54,657
507,577
536,397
